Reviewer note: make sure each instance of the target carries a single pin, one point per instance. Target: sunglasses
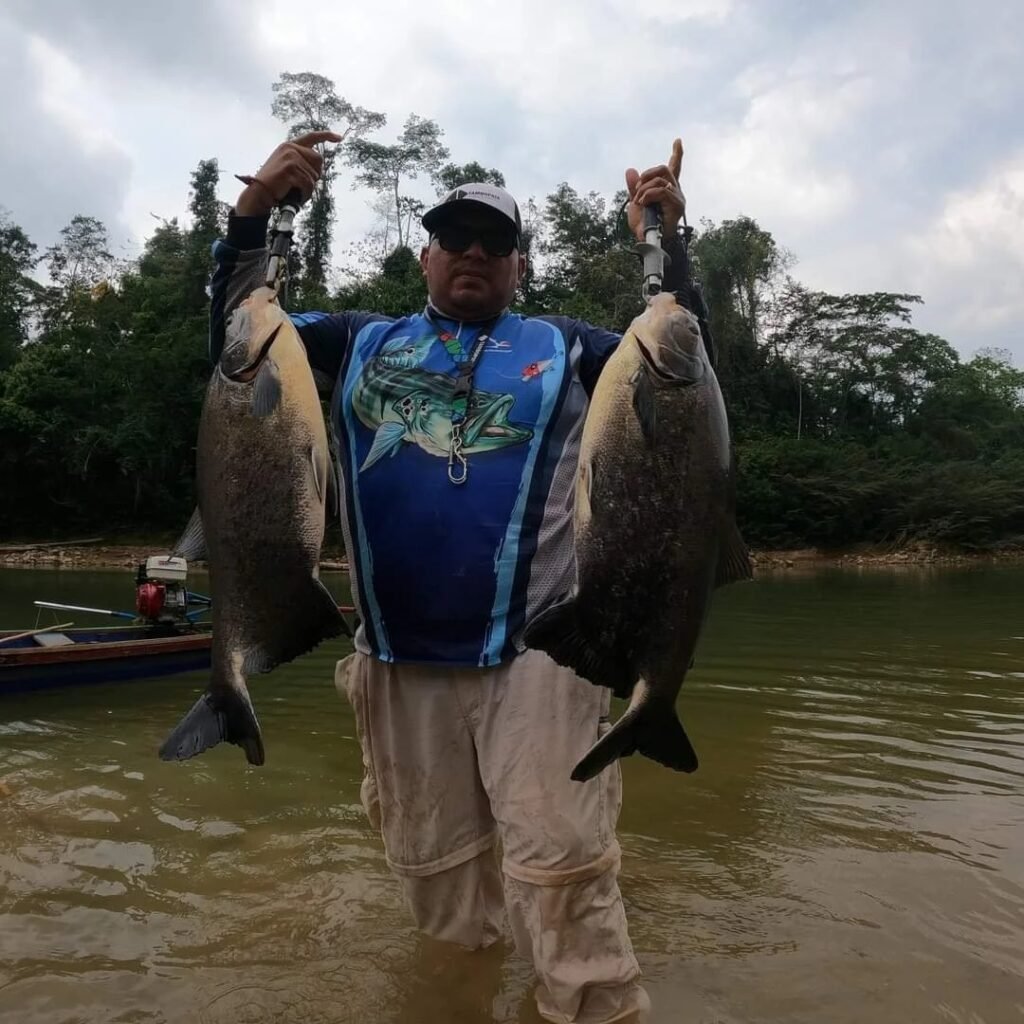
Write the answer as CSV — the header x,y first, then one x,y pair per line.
x,y
496,241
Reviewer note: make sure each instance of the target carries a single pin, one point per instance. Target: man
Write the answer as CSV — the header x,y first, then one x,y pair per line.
x,y
457,431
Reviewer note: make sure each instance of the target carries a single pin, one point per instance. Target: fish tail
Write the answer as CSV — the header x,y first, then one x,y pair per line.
x,y
219,716
649,727
315,617
561,634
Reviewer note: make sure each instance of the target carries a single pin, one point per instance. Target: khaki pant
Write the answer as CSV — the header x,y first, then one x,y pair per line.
x,y
455,759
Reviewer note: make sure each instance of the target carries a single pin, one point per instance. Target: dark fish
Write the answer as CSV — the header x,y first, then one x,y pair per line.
x,y
263,475
655,533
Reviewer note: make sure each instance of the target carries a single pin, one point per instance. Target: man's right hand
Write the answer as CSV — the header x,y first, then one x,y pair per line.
x,y
294,164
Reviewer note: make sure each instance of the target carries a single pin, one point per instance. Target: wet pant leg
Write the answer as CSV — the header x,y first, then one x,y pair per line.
x,y
421,787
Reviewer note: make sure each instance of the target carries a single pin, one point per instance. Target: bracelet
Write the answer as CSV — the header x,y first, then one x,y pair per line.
x,y
252,179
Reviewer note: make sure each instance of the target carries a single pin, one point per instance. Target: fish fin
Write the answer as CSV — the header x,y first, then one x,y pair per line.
x,y
558,633
733,558
386,441
227,716
191,545
319,477
644,405
584,487
651,728
257,660
318,617
266,389
333,490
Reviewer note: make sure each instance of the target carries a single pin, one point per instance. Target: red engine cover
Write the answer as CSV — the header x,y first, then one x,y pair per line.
x,y
149,599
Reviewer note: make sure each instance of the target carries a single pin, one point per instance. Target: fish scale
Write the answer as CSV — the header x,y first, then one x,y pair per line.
x,y
655,533
263,468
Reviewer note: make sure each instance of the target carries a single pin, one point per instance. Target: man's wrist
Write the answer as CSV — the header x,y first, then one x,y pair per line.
x,y
247,232
671,239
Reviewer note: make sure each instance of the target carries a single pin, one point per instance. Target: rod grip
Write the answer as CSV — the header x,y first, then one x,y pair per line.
x,y
652,216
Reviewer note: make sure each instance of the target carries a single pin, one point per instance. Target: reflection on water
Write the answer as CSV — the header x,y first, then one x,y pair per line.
x,y
851,850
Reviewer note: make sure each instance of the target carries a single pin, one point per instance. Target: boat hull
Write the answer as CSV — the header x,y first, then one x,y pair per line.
x,y
101,656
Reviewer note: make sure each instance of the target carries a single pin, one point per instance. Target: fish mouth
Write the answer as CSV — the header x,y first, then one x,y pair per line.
x,y
490,427
247,373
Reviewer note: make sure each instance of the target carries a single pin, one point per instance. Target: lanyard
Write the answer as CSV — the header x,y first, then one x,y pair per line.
x,y
458,467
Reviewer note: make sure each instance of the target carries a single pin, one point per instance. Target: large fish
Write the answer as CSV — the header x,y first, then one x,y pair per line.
x,y
263,475
403,403
654,534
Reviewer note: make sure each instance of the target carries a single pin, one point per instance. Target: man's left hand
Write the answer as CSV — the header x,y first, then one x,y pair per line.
x,y
656,185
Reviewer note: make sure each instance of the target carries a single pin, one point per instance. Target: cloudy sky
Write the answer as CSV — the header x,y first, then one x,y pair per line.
x,y
881,142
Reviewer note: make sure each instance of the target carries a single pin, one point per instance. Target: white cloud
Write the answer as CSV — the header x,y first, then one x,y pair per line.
x,y
674,12
67,95
880,143
771,161
973,250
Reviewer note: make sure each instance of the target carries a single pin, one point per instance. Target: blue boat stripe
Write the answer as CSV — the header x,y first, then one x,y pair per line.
x,y
509,559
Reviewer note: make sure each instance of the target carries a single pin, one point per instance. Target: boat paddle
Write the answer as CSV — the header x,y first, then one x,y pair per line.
x,y
34,632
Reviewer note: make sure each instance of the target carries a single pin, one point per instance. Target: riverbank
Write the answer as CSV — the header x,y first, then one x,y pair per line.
x,y
124,555
866,556
127,555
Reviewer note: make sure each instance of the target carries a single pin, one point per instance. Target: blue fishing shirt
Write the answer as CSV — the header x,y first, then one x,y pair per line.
x,y
443,573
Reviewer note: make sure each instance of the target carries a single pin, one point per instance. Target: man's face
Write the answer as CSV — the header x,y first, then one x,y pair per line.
x,y
467,277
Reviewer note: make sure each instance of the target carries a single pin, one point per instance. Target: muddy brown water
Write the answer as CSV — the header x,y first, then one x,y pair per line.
x,y
851,849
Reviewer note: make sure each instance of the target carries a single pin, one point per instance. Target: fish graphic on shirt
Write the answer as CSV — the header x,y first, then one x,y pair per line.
x,y
403,403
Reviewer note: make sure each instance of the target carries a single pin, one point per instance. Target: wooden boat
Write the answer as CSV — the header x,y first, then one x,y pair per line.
x,y
53,657
99,654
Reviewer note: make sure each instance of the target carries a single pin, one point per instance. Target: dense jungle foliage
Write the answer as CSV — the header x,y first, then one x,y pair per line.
x,y
850,424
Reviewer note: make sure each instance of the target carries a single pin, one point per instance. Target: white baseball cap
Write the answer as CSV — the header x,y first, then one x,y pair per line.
x,y
475,194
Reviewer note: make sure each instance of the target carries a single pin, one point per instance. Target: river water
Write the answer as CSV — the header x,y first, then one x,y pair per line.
x,y
851,849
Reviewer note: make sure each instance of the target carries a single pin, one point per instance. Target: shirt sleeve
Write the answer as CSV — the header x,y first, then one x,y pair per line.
x,y
596,345
240,264
688,290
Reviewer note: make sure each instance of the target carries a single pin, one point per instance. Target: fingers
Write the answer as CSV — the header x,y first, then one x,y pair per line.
x,y
671,170
294,166
303,178
310,157
315,138
632,178
661,171
658,191
675,161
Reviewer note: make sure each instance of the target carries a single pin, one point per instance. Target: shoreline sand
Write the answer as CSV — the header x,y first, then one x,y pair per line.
x,y
105,555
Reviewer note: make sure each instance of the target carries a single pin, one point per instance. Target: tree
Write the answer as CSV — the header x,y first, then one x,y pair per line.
x,y
308,102
17,289
868,367
739,262
850,424
81,258
452,175
207,224
394,290
583,259
386,169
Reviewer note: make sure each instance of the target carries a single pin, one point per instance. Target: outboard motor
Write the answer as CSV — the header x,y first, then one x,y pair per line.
x,y
160,592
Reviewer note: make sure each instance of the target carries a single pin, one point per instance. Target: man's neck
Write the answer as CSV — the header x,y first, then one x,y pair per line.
x,y
445,314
